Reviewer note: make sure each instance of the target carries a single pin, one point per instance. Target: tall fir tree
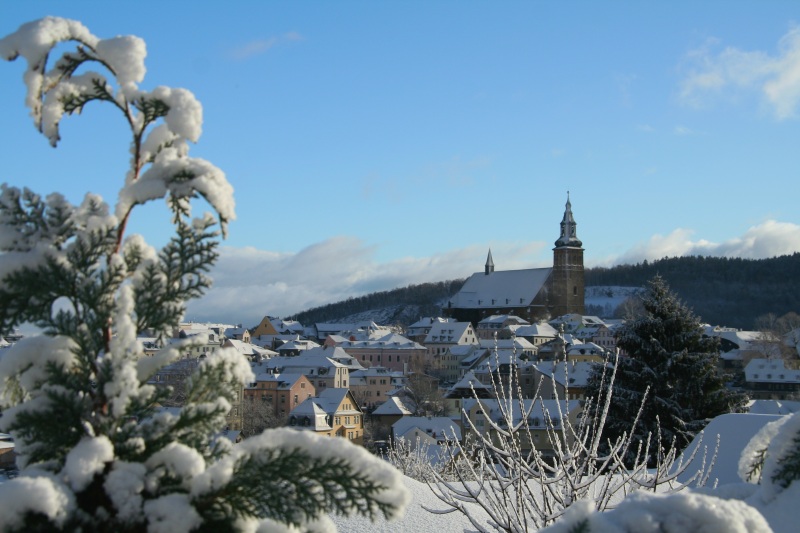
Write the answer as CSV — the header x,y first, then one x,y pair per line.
x,y
95,453
670,365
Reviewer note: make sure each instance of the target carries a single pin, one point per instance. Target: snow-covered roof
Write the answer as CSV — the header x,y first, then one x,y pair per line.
x,y
519,343
771,371
501,289
573,374
447,332
322,357
392,407
541,329
391,340
439,427
469,380
284,381
499,320
587,348
309,416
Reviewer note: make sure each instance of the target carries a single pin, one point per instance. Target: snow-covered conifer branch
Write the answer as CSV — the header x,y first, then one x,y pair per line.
x,y
97,453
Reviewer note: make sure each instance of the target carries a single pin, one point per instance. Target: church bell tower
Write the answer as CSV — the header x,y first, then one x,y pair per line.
x,y
567,289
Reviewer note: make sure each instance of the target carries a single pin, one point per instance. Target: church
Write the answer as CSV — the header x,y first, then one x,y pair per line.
x,y
532,294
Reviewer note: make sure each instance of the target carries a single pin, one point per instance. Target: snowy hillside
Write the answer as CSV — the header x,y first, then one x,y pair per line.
x,y
735,432
602,301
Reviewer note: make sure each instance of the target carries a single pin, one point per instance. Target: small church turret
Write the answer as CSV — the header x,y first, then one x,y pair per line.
x,y
568,291
489,268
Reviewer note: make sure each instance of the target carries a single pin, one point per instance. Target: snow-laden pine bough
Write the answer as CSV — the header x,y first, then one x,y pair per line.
x,y
95,453
505,479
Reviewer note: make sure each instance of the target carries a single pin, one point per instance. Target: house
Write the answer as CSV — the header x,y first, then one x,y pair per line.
x,y
238,333
333,412
532,294
202,339
265,328
175,375
294,346
605,337
468,387
287,327
536,334
443,335
386,414
278,392
540,417
519,345
449,367
420,329
321,330
562,380
252,351
587,351
371,386
772,379
326,367
8,457
417,430
498,326
389,350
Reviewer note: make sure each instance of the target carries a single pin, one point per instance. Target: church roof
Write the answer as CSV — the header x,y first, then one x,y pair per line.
x,y
508,288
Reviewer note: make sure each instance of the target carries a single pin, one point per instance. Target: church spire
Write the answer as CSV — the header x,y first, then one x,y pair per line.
x,y
569,231
489,263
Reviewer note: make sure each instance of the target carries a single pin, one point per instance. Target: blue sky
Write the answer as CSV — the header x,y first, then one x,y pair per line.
x,y
376,144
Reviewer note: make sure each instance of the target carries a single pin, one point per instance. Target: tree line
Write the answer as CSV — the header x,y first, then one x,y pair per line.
x,y
724,291
408,303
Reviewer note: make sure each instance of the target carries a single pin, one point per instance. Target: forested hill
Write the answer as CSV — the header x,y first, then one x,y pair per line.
x,y
401,306
722,291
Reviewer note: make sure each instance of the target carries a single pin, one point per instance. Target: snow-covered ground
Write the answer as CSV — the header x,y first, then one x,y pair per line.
x,y
781,511
735,432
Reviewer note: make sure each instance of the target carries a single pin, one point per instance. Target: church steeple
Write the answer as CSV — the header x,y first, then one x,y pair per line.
x,y
567,287
489,263
569,229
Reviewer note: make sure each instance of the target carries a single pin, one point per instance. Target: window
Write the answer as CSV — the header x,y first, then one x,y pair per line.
x,y
295,398
302,385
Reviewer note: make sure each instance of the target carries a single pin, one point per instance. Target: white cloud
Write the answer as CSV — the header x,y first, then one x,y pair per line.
x,y
251,283
683,130
768,239
775,78
260,46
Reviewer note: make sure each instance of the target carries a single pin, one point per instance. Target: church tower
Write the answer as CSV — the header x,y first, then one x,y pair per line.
x,y
567,289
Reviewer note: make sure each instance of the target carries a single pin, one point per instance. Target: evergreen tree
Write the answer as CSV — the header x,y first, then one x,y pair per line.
x,y
674,365
95,453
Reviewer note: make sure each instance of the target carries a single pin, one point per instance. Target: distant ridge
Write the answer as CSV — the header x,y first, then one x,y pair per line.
x,y
401,306
729,292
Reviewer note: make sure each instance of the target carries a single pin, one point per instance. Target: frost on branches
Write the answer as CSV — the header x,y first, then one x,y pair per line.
x,y
93,451
514,482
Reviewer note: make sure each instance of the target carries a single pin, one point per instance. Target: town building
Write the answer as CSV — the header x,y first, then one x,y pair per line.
x,y
333,412
531,294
